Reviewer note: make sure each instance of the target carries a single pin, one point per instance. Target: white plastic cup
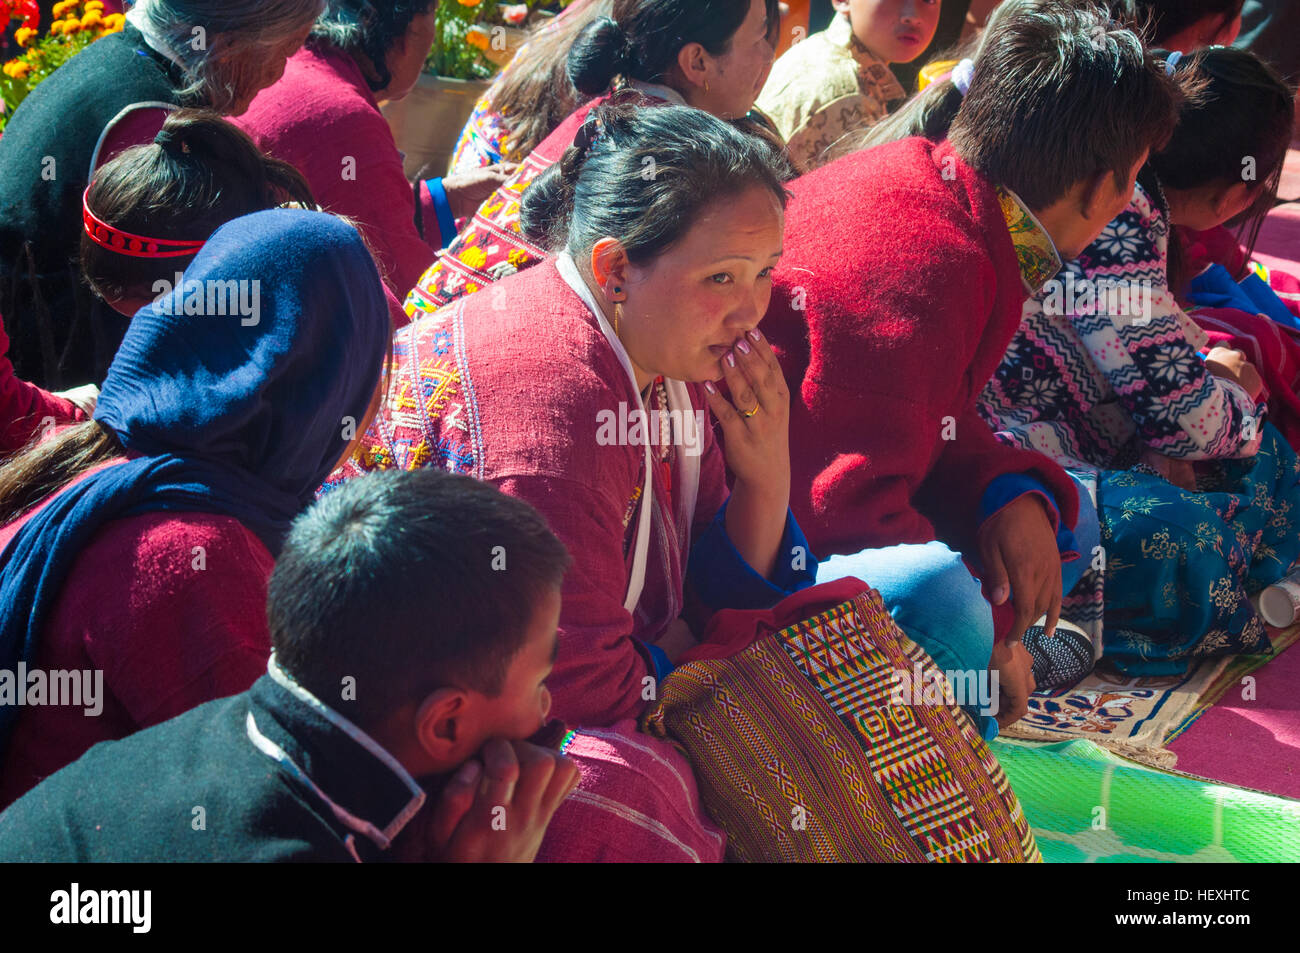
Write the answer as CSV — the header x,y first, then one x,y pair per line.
x,y
1279,604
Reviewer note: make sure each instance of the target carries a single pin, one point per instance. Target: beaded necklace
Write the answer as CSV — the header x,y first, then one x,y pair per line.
x,y
659,390
665,433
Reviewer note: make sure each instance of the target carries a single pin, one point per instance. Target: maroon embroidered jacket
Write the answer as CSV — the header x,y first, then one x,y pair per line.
x,y
516,396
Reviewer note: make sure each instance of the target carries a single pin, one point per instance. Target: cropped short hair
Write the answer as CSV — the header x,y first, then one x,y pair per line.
x,y
1061,93
407,582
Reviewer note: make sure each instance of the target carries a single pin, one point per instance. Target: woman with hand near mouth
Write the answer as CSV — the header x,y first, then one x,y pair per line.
x,y
583,386
839,79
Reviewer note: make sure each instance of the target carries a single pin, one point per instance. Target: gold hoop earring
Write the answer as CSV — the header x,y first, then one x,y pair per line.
x,y
618,314
706,85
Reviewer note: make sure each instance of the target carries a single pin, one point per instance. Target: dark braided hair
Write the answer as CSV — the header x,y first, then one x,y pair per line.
x,y
643,175
643,37
369,27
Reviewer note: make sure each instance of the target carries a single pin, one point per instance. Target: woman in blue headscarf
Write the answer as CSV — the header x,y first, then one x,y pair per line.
x,y
135,548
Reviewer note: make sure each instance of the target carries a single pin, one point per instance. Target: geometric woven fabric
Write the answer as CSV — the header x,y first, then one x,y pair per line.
x,y
805,750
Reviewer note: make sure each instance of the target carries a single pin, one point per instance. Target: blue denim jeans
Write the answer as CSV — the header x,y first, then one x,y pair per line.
x,y
1087,537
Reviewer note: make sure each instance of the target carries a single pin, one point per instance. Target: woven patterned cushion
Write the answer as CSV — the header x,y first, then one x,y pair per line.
x,y
802,754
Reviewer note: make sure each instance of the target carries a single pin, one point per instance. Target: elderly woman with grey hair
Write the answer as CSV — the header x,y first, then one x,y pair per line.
x,y
114,94
323,117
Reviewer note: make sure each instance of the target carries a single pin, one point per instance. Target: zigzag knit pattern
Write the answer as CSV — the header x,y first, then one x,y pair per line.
x,y
1105,362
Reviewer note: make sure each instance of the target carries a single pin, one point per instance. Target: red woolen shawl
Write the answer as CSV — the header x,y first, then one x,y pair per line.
x,y
896,298
167,632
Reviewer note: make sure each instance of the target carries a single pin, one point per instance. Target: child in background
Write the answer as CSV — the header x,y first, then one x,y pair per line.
x,y
199,173
839,80
1224,165
318,760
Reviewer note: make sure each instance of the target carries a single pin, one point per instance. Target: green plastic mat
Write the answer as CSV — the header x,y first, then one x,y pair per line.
x,y
1087,805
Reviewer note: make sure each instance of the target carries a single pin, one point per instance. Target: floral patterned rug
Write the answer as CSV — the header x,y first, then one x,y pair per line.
x,y
1138,717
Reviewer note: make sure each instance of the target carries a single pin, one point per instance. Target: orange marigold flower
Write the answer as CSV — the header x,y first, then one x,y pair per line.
x,y
18,69
95,5
469,3
23,35
56,28
114,22
70,27
65,6
478,37
91,19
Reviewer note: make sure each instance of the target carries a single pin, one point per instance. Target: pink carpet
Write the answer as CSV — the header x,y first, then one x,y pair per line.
x,y
1256,744
1278,245
1253,744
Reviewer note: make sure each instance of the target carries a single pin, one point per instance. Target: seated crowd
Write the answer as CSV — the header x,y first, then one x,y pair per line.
x,y
383,512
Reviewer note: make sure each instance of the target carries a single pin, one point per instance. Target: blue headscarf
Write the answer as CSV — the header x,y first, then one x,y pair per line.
x,y
240,410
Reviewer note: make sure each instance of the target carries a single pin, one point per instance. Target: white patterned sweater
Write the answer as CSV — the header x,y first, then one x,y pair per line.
x,y
1105,363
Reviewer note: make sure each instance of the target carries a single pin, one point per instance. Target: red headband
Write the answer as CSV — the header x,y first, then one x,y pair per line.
x,y
124,243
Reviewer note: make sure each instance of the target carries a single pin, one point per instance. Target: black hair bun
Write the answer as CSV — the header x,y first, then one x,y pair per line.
x,y
600,53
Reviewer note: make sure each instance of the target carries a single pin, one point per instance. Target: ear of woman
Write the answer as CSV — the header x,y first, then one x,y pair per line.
x,y
609,265
695,66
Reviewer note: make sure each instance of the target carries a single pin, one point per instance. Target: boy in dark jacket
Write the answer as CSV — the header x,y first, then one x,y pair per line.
x,y
413,624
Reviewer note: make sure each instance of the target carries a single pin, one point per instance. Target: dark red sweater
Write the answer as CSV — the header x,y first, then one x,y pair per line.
x,y
322,117
897,297
169,628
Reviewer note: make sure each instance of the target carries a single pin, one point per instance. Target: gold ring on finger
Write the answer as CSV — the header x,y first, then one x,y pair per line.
x,y
751,413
